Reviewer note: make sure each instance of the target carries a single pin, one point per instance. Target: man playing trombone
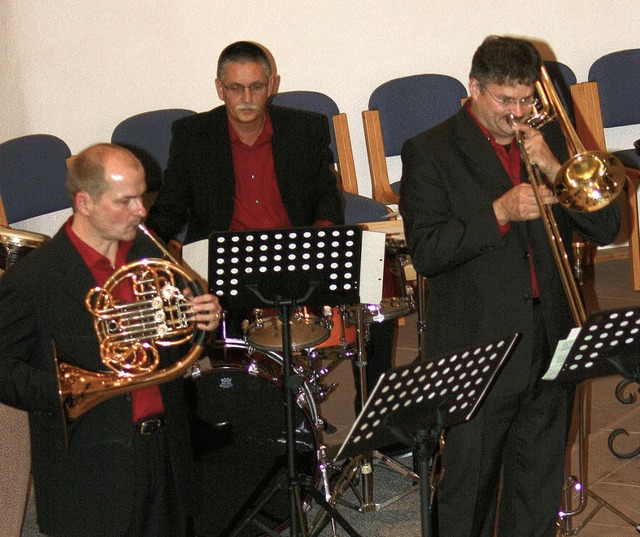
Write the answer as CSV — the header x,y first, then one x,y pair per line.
x,y
123,465
474,229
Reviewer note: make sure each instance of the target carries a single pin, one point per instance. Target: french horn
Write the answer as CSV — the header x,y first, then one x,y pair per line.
x,y
131,333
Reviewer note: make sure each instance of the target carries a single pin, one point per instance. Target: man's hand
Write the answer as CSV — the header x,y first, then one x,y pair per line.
x,y
208,312
519,203
538,150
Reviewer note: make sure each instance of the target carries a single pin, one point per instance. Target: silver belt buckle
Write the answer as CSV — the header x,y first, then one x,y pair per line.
x,y
150,426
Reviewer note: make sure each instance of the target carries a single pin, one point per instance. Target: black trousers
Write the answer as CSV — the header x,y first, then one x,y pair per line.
x,y
158,512
524,437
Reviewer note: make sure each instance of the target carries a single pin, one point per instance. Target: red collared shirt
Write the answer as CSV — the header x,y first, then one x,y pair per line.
x,y
509,156
145,402
258,204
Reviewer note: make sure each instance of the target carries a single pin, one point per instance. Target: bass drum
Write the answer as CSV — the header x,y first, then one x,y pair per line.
x,y
239,438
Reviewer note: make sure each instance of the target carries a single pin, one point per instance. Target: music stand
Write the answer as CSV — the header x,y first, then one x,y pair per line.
x,y
608,344
413,403
283,268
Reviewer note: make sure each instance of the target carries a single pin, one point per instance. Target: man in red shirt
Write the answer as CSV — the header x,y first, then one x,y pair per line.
x,y
247,164
242,166
124,467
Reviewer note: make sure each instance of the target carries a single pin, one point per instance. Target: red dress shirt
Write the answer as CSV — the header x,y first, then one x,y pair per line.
x,y
509,156
146,402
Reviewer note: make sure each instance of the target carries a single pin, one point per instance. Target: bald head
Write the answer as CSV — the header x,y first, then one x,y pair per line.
x,y
90,170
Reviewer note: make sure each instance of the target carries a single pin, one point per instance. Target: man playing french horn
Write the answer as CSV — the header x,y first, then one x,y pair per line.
x,y
122,465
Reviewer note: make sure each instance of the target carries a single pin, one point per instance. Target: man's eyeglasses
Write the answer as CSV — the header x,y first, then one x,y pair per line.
x,y
509,101
239,89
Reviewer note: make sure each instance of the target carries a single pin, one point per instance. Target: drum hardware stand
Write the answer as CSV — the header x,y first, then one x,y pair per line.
x,y
272,264
607,344
364,461
415,402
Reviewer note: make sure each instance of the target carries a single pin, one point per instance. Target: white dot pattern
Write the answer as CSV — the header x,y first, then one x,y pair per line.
x,y
605,334
455,383
278,255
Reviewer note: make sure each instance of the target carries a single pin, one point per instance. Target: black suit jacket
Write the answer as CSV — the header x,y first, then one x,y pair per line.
x,y
479,281
199,184
42,300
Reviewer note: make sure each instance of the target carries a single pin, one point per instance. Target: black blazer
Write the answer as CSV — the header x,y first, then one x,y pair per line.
x,y
199,185
479,281
42,299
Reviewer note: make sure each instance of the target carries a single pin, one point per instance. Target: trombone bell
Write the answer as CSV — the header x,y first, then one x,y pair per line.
x,y
589,181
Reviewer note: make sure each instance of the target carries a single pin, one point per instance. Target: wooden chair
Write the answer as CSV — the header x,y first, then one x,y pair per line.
x,y
398,110
590,129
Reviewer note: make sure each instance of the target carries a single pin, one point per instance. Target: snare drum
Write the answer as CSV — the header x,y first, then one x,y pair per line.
x,y
307,329
15,244
239,436
397,295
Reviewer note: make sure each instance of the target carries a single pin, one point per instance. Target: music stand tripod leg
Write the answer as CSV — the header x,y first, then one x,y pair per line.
x,y
297,521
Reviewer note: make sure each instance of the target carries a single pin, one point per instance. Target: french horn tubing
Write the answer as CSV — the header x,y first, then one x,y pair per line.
x,y
130,333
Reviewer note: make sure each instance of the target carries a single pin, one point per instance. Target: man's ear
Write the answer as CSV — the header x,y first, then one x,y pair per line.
x,y
82,202
474,87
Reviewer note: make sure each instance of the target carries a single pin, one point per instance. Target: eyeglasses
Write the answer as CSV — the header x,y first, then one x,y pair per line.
x,y
509,101
239,89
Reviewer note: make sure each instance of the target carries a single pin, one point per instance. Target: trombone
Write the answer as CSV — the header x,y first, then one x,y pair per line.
x,y
587,182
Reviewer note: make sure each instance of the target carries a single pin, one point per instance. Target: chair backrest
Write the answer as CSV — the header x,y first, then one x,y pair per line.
x,y
618,78
148,135
563,78
33,169
400,109
312,101
340,140
412,104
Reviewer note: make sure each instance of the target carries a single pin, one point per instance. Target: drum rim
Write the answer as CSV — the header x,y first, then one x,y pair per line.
x,y
296,347
21,237
239,344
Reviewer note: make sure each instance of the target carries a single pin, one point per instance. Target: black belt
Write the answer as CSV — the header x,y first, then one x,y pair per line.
x,y
150,425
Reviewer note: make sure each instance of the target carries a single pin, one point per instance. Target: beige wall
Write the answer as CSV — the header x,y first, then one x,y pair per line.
x,y
75,68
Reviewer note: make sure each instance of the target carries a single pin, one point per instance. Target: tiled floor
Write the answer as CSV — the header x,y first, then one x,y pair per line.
x,y
616,480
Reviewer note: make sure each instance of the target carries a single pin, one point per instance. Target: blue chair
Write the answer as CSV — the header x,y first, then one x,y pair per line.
x,y
148,135
340,140
33,170
359,209
398,110
618,78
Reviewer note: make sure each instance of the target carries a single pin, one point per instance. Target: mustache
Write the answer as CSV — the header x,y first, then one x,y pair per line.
x,y
247,106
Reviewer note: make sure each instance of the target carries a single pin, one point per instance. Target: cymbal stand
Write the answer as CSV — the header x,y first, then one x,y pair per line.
x,y
364,462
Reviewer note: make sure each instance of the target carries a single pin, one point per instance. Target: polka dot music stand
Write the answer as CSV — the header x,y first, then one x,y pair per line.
x,y
415,402
608,344
285,268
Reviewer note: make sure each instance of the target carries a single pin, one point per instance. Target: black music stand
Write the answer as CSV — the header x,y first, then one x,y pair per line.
x,y
413,403
284,268
608,344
